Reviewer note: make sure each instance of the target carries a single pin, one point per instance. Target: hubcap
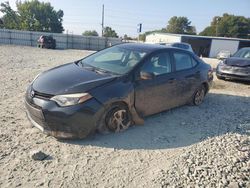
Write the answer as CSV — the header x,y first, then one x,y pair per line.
x,y
199,96
119,121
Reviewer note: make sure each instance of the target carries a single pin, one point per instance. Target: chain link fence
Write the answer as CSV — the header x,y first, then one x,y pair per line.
x,y
63,41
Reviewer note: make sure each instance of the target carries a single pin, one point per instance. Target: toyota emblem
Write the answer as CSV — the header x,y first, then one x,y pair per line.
x,y
32,94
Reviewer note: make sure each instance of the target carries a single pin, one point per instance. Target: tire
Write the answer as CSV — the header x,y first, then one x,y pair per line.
x,y
199,95
117,119
220,78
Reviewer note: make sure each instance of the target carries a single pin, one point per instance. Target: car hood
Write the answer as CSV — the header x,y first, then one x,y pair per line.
x,y
237,62
69,78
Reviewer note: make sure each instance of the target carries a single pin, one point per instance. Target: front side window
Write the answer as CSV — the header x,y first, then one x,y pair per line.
x,y
158,64
182,61
117,59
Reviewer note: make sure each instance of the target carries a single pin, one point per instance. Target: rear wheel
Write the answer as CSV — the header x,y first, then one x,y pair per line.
x,y
199,95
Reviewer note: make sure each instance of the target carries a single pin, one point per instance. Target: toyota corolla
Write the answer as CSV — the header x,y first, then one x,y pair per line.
x,y
115,88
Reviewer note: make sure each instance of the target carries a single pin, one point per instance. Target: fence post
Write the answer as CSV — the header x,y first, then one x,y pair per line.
x,y
67,40
89,42
31,39
106,42
10,36
98,44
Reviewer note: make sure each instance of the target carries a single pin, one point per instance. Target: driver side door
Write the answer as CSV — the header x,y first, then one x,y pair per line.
x,y
156,94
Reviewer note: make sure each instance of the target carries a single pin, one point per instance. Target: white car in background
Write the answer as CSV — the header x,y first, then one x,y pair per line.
x,y
224,54
181,45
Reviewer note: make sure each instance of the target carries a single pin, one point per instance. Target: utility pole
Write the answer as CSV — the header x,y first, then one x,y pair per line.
x,y
102,19
217,23
139,29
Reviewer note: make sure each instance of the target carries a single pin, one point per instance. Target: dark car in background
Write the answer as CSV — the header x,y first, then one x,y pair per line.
x,y
115,88
236,67
46,42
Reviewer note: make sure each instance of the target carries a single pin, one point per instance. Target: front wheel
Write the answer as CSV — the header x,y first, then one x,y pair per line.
x,y
118,119
199,95
220,77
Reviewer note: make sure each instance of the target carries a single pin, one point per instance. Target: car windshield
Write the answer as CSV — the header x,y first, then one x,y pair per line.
x,y
117,59
243,53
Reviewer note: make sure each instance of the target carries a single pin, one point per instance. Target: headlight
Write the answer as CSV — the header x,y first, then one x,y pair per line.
x,y
220,65
71,99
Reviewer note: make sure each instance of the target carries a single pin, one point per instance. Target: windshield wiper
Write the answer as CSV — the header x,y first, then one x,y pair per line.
x,y
96,69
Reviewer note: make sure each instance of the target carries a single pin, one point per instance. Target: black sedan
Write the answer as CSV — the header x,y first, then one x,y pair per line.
x,y
236,67
115,88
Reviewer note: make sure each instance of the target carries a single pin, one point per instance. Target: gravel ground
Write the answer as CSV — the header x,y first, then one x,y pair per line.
x,y
205,146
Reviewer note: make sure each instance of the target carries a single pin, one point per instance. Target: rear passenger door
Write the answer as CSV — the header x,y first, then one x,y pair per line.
x,y
187,75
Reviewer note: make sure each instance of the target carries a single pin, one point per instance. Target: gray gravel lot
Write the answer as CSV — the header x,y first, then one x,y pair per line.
x,y
143,156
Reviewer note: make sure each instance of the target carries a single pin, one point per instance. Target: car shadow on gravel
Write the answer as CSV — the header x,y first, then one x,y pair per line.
x,y
179,127
238,81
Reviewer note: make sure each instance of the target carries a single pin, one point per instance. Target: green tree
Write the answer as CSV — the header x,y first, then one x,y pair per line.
x,y
228,26
126,37
180,25
109,32
33,16
10,19
1,23
208,31
142,37
90,33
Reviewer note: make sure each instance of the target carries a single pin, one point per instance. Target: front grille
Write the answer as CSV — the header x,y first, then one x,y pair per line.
x,y
233,75
34,111
42,95
35,114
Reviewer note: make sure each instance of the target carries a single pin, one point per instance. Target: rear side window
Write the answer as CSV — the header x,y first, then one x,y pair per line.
x,y
158,64
182,61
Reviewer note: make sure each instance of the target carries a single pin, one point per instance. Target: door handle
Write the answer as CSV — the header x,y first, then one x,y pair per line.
x,y
190,76
198,72
193,75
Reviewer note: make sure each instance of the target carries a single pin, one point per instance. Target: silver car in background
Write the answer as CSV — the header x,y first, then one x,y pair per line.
x,y
236,67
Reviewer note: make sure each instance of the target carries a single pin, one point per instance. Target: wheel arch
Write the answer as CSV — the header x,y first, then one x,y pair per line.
x,y
205,84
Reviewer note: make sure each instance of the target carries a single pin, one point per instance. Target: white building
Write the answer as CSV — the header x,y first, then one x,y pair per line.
x,y
202,45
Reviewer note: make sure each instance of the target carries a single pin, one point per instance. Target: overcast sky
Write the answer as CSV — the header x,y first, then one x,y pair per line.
x,y
123,16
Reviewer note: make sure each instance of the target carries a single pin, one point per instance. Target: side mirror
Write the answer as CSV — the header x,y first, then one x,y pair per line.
x,y
146,75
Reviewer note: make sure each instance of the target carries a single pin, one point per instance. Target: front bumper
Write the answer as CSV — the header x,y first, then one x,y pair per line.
x,y
233,72
232,75
76,121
